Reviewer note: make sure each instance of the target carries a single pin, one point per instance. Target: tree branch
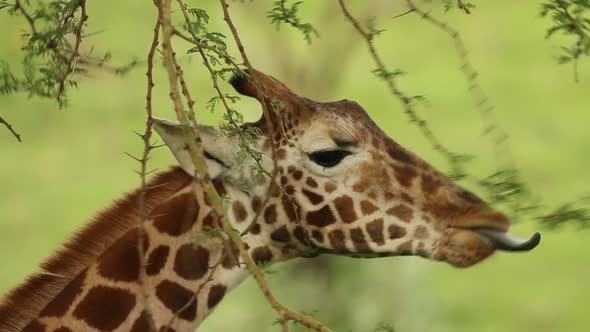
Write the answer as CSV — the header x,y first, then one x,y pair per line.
x,y
285,313
480,98
147,147
9,127
403,98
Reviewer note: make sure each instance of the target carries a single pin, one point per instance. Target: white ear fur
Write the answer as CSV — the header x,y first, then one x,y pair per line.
x,y
172,134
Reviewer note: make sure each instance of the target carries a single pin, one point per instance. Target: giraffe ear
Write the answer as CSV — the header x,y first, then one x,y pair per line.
x,y
172,133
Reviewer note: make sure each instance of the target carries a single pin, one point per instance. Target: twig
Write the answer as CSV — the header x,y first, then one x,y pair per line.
x,y
581,36
480,98
147,147
402,14
72,60
9,127
194,39
197,42
462,5
192,137
403,98
199,45
27,16
285,313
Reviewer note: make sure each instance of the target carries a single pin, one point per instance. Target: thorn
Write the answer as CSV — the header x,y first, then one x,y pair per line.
x,y
133,157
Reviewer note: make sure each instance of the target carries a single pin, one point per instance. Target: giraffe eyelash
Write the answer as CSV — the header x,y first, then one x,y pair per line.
x,y
328,158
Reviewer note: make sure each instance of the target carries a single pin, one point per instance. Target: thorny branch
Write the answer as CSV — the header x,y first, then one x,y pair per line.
x,y
27,16
72,61
462,5
147,148
199,45
393,88
480,99
194,144
285,313
195,40
9,127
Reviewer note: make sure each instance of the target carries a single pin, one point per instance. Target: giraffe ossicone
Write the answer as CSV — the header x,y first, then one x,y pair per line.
x,y
343,187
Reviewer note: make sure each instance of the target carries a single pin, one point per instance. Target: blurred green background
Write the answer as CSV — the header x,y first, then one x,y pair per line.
x,y
71,162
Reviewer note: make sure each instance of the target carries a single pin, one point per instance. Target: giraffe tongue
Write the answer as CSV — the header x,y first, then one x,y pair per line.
x,y
507,242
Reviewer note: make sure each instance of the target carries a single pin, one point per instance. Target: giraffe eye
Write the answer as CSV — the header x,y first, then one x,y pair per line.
x,y
328,158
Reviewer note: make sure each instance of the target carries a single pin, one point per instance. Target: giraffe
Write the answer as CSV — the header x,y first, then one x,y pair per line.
x,y
346,188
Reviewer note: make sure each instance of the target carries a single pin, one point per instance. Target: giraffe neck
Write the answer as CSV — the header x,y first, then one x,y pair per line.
x,y
92,283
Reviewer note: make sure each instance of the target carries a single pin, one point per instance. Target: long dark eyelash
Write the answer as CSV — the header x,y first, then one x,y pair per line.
x,y
328,158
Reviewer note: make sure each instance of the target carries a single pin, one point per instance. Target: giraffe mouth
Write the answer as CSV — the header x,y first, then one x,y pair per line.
x,y
506,242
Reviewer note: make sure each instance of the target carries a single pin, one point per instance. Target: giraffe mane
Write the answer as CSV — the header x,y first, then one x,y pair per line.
x,y
23,303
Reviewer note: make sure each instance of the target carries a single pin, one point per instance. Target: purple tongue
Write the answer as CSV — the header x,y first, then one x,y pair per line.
x,y
507,242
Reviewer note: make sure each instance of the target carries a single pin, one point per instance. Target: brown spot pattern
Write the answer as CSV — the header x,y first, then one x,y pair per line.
x,y
216,294
270,214
345,207
239,211
375,231
400,154
429,184
157,260
337,239
62,302
405,175
256,203
329,187
368,207
361,186
255,229
34,326
297,175
421,232
280,235
281,154
63,329
358,240
261,255
405,248
141,324
317,235
191,263
105,308
120,261
322,217
177,215
312,197
311,182
396,232
402,212
175,297
299,234
290,207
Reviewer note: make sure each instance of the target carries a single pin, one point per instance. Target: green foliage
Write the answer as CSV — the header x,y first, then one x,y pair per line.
x,y
309,313
372,29
52,50
457,4
571,18
384,327
386,74
568,212
201,17
281,12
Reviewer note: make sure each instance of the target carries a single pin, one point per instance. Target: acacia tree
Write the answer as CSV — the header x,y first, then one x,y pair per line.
x,y
56,57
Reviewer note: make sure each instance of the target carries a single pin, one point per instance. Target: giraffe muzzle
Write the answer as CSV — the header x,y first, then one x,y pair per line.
x,y
506,242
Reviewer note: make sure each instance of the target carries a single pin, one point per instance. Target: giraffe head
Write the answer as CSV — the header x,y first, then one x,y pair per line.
x,y
347,188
